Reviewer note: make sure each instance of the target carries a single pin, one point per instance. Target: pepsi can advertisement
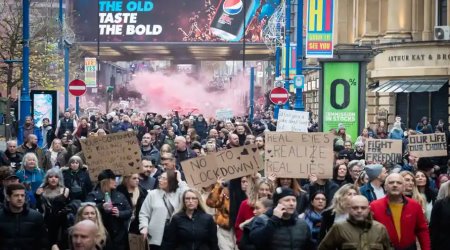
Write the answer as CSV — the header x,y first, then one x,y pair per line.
x,y
228,23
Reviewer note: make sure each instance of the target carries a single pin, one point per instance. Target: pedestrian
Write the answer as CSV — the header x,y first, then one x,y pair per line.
x,y
30,145
374,189
148,149
338,210
262,205
89,211
29,128
302,195
159,206
440,222
341,174
31,176
7,176
83,129
83,235
55,155
424,127
76,179
11,156
47,132
150,172
281,228
402,216
52,198
429,195
65,124
313,215
21,227
411,190
114,207
315,184
359,231
354,168
192,228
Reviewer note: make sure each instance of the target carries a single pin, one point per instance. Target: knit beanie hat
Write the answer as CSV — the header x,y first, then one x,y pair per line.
x,y
373,171
280,193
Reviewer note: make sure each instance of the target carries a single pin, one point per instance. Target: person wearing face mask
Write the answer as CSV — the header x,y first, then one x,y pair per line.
x,y
281,228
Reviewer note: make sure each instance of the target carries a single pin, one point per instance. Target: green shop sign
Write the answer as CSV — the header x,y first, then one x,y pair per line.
x,y
340,99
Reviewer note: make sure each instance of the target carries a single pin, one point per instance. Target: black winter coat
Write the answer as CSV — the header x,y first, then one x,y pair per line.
x,y
440,224
134,225
198,233
22,231
82,178
117,227
328,217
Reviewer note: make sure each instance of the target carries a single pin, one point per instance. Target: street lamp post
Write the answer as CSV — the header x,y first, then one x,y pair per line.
x,y
299,65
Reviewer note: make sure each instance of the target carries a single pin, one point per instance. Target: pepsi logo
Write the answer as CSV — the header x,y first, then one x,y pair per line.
x,y
232,7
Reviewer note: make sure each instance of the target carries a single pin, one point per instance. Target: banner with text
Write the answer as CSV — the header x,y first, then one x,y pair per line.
x,y
229,164
297,155
428,145
224,114
293,121
90,72
383,151
119,152
319,31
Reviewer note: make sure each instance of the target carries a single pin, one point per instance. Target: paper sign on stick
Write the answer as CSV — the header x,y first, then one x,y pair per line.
x,y
291,120
383,150
297,155
119,152
228,164
428,145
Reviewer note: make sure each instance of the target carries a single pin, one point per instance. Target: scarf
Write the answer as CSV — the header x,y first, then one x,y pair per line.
x,y
313,219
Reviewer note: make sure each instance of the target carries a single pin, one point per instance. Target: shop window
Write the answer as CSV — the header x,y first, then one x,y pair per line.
x,y
442,12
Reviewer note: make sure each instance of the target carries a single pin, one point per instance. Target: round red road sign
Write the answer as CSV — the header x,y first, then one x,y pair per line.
x,y
77,87
279,95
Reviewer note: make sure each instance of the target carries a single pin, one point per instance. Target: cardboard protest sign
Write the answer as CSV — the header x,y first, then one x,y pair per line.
x,y
383,150
229,164
428,145
224,114
119,152
291,120
297,155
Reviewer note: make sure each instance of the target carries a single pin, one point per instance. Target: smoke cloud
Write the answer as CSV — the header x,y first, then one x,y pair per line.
x,y
166,92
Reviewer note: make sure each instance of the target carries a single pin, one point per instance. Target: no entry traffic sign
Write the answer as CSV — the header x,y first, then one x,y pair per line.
x,y
279,95
77,87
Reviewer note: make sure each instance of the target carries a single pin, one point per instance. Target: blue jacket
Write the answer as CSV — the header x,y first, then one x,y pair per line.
x,y
367,191
36,131
32,180
396,134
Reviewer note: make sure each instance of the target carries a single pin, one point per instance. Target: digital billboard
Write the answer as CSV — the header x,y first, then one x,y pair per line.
x,y
172,20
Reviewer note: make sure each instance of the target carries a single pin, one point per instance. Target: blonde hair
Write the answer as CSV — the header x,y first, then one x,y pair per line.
x,y
444,191
28,155
253,190
337,203
102,233
415,192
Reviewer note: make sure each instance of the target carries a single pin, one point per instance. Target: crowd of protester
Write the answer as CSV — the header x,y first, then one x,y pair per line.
x,y
49,200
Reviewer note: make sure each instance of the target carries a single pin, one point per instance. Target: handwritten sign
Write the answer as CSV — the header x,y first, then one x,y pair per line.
x,y
224,114
428,145
383,150
228,164
297,155
291,120
119,152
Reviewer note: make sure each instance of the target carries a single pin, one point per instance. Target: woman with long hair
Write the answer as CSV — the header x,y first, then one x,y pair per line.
x,y
381,130
83,129
76,179
192,228
338,210
89,211
55,155
31,176
302,196
52,198
411,190
114,208
135,196
313,215
341,175
423,185
159,206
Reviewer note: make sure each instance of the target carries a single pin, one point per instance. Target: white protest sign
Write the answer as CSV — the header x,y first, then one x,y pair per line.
x,y
293,121
224,114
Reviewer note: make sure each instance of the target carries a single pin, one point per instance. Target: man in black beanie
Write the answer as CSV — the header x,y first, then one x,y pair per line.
x,y
281,228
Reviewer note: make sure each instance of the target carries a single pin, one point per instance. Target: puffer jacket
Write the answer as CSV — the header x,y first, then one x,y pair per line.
x,y
219,198
364,235
81,176
272,233
117,227
198,233
22,231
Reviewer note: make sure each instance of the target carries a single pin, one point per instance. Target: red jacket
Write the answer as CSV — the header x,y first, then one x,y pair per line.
x,y
245,212
412,220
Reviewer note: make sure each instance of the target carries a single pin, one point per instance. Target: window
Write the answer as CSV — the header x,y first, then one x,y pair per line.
x,y
442,13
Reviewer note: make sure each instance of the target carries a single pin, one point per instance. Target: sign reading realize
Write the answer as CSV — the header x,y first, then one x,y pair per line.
x,y
291,120
428,145
297,155
228,164
119,152
383,150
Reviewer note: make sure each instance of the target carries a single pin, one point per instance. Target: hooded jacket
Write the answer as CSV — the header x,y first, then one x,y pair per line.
x,y
81,176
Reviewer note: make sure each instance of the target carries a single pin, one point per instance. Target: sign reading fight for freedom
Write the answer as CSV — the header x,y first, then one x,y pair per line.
x,y
383,150
428,145
228,164
291,120
119,152
297,155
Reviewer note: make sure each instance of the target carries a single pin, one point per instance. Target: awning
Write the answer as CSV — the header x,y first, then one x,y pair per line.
x,y
408,86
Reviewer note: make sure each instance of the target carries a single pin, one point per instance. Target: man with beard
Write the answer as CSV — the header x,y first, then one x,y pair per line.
x,y
213,135
28,129
158,137
358,154
30,146
47,133
148,178
65,124
148,150
11,156
233,141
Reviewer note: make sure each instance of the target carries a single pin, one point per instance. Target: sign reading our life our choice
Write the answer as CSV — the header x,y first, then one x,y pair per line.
x,y
298,155
428,145
228,164
291,120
